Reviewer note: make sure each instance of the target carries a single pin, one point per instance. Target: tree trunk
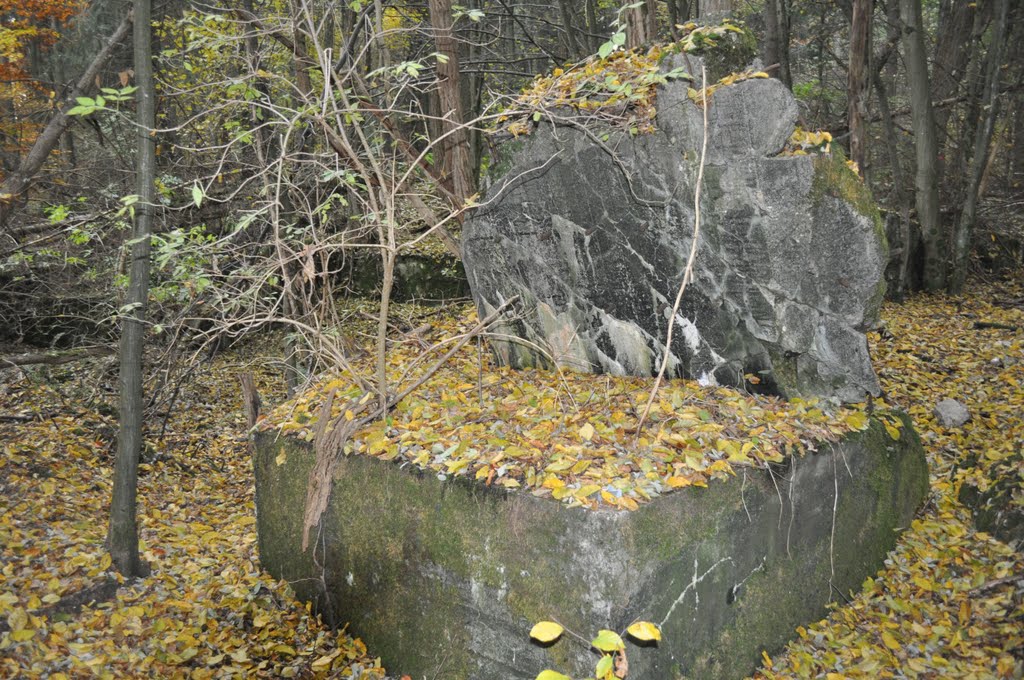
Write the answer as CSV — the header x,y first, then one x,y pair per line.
x,y
573,43
857,90
952,51
926,147
900,198
640,24
454,144
593,30
722,7
124,535
776,45
982,141
18,182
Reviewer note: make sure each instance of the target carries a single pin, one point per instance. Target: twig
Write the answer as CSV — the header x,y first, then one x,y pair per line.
x,y
981,325
54,358
688,274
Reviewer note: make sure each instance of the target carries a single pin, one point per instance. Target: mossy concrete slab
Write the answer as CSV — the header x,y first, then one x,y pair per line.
x,y
443,579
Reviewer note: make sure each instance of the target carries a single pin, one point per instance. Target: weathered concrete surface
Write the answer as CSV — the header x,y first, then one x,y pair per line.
x,y
445,579
592,229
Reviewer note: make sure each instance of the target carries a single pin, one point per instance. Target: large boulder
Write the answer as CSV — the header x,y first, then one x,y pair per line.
x,y
444,579
592,230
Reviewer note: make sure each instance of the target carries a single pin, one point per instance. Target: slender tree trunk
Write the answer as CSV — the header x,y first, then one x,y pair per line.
x,y
893,29
953,48
982,141
455,144
67,139
857,90
926,147
573,43
124,534
18,182
900,197
776,47
785,72
593,29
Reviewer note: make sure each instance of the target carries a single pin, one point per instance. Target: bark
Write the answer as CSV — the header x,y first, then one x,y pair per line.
x,y
982,142
784,65
454,144
893,26
573,41
250,399
124,535
952,52
19,181
777,41
723,7
900,197
857,90
593,30
640,23
925,146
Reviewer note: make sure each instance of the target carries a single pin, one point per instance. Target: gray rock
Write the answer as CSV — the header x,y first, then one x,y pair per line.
x,y
951,413
444,579
594,237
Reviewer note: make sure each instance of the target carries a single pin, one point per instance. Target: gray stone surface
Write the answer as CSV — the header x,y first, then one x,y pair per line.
x,y
444,579
592,230
951,413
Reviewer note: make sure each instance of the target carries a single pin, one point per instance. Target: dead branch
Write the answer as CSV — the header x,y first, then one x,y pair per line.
x,y
54,358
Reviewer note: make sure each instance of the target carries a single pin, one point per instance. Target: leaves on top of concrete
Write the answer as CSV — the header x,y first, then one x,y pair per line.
x,y
950,601
572,436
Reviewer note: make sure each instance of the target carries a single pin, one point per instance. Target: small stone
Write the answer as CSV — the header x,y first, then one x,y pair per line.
x,y
951,413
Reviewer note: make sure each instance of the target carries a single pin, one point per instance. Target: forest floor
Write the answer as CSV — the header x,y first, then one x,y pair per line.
x,y
947,603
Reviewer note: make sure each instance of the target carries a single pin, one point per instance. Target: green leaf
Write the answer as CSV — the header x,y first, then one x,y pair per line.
x,y
608,641
604,666
605,49
197,195
552,675
546,631
536,116
645,631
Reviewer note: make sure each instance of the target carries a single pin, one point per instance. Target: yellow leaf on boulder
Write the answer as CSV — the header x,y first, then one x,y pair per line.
x,y
546,631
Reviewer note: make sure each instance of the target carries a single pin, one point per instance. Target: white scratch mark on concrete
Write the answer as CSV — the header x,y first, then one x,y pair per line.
x,y
692,584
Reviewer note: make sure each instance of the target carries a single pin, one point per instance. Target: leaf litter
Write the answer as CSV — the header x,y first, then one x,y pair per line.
x,y
207,611
947,603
